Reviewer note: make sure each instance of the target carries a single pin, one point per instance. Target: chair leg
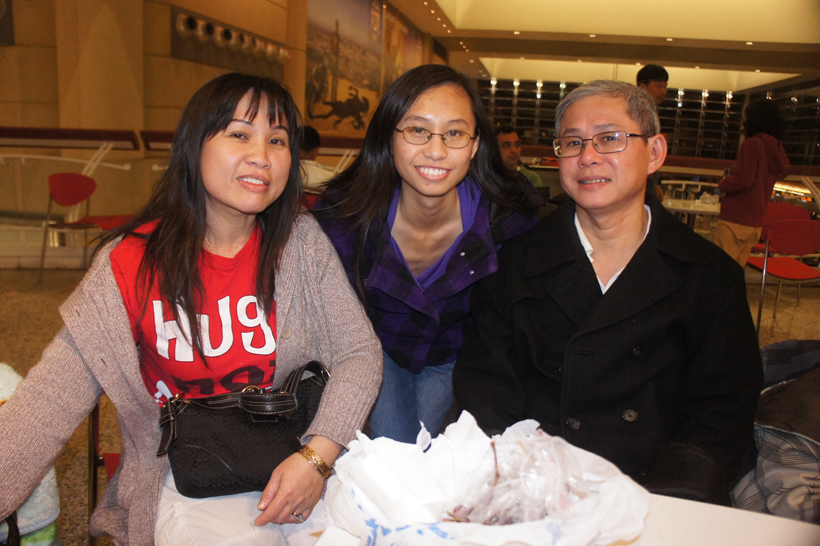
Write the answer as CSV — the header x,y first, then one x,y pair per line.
x,y
93,465
798,292
45,242
776,299
762,288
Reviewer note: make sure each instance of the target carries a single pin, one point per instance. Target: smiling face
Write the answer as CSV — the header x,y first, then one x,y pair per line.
x,y
607,183
433,169
245,167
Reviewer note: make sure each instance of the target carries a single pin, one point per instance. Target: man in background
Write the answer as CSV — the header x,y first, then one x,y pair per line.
x,y
510,145
315,174
653,79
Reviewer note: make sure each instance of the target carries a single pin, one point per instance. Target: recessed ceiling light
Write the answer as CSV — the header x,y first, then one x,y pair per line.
x,y
462,43
757,71
444,25
592,36
449,31
432,11
697,68
438,18
522,58
516,32
669,39
580,61
467,50
472,60
637,64
749,43
425,3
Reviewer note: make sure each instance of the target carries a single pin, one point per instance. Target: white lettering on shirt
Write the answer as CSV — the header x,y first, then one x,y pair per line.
x,y
261,321
227,332
166,331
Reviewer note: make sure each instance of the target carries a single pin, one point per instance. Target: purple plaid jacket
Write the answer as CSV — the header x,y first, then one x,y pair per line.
x,y
420,328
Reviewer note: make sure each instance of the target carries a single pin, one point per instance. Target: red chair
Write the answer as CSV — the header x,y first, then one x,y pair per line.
x,y
781,211
791,238
109,461
67,190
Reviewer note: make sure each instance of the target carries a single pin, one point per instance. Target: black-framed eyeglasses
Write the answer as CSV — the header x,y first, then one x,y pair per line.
x,y
609,142
452,138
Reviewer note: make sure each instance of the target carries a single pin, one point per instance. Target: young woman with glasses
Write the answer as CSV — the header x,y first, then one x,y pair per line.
x,y
417,220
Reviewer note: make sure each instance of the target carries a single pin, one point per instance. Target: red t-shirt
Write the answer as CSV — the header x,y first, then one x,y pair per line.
x,y
238,342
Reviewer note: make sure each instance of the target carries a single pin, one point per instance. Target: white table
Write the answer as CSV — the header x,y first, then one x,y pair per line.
x,y
676,522
691,208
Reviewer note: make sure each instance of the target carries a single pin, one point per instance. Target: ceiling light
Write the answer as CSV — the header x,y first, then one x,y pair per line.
x,y
516,32
438,18
749,43
462,43
680,105
445,26
562,85
728,94
539,84
580,61
538,95
425,3
467,50
592,36
449,31
697,68
516,82
669,39
680,91
472,60
493,81
705,93
637,64
522,58
432,11
758,71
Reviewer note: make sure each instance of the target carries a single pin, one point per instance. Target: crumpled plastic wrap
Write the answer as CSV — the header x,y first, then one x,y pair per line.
x,y
522,487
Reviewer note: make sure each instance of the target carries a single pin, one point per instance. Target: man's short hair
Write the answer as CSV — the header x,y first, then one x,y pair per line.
x,y
310,139
652,73
639,105
505,130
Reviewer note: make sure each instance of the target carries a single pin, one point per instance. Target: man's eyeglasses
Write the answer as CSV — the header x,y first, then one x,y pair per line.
x,y
452,139
605,143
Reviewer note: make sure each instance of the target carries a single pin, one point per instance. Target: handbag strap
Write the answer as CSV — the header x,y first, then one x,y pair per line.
x,y
13,535
251,399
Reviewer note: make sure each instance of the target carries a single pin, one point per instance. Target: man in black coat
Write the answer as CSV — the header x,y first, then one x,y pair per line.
x,y
612,323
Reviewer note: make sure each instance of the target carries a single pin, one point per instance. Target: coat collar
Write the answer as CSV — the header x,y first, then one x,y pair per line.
x,y
556,257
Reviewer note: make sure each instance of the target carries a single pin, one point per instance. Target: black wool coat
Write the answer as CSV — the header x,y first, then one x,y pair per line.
x,y
660,375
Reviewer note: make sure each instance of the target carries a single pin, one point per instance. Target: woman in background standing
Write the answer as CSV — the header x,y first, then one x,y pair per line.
x,y
760,161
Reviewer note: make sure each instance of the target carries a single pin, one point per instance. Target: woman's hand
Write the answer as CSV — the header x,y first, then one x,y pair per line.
x,y
295,486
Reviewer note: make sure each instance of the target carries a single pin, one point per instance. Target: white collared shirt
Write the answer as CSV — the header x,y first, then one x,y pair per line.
x,y
588,247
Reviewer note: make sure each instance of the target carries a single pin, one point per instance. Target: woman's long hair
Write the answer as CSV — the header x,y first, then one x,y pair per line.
x,y
764,116
363,192
177,203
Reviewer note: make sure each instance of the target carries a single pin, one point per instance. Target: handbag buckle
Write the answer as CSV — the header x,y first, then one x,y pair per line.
x,y
251,388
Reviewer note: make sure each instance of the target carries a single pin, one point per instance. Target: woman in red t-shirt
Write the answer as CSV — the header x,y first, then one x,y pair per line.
x,y
221,283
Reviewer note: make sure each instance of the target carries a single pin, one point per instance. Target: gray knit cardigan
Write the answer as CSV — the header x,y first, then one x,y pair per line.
x,y
317,317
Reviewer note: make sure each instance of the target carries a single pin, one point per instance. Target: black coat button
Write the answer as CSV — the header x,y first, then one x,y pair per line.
x,y
630,415
573,423
637,352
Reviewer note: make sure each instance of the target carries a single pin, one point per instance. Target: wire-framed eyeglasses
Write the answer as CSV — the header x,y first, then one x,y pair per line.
x,y
452,138
609,142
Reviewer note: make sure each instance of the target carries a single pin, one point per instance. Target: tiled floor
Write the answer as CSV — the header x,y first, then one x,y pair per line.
x,y
29,320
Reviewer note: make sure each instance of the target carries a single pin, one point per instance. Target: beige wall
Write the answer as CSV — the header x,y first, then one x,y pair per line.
x,y
28,86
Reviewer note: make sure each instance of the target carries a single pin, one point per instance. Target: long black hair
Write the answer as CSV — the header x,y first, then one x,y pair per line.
x,y
764,116
177,203
363,192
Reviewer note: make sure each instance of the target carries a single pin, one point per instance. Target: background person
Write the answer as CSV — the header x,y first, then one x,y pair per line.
x,y
315,174
653,79
221,239
417,220
612,323
760,161
510,145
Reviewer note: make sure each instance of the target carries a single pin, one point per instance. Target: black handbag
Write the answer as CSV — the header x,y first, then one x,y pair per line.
x,y
231,443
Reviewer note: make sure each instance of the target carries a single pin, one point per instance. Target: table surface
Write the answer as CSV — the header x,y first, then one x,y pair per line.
x,y
691,206
677,522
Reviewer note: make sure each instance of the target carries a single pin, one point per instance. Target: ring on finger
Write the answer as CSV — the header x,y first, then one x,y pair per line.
x,y
298,517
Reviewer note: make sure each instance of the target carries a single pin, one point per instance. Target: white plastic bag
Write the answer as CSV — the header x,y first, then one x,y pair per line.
x,y
385,492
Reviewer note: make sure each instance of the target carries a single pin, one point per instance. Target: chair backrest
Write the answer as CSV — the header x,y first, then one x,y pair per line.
x,y
69,189
793,237
784,211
